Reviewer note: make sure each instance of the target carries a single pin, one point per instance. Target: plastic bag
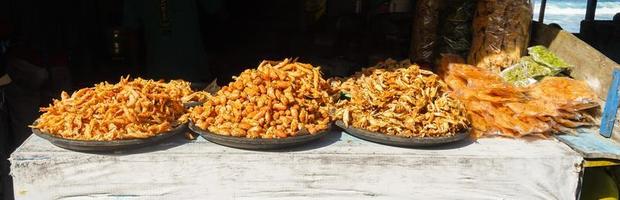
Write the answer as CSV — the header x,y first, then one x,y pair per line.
x,y
541,63
526,72
425,29
542,55
501,33
456,27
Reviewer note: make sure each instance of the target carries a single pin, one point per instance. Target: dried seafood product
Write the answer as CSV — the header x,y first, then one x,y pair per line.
x,y
495,107
129,109
275,100
202,95
406,102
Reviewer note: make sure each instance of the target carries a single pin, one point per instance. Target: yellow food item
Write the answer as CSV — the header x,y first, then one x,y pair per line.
x,y
275,100
406,102
127,110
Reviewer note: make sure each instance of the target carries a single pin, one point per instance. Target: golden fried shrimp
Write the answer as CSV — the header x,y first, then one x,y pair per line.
x,y
271,101
130,109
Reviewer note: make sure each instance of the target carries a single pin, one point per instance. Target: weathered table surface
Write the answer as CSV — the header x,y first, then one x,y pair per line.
x,y
336,167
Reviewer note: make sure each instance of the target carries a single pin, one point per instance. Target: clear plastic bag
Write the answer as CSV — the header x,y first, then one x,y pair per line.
x,y
541,63
456,27
425,29
500,33
542,55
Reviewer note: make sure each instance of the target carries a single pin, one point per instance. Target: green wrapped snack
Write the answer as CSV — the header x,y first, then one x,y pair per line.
x,y
527,71
537,70
543,55
517,75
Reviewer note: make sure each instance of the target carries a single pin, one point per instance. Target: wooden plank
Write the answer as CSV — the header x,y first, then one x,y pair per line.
x,y
592,145
611,106
336,167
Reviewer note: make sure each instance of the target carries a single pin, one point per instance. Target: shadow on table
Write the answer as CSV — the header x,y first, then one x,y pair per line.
x,y
331,138
174,141
455,145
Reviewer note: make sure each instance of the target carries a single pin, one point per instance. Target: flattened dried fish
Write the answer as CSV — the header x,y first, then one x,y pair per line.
x,y
553,105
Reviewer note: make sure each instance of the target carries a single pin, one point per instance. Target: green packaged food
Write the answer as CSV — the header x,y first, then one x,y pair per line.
x,y
527,71
517,75
543,55
539,64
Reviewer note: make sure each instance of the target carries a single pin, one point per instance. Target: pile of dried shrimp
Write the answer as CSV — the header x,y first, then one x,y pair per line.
x,y
275,100
203,95
407,102
127,110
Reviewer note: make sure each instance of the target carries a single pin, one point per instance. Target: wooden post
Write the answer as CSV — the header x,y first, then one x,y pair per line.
x,y
541,14
591,9
611,106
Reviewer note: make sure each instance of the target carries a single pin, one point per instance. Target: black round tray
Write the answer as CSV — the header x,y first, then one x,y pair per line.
x,y
401,141
256,143
99,146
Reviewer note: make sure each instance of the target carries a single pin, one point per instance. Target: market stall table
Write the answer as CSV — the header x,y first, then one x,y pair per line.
x,y
336,167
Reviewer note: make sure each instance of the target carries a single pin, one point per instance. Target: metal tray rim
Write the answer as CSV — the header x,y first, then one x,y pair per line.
x,y
92,145
401,141
256,143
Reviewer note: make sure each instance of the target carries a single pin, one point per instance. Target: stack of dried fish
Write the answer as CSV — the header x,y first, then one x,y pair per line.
x,y
406,102
276,100
129,109
553,105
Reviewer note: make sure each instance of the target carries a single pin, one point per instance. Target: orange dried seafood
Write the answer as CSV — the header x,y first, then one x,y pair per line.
x,y
406,102
127,110
275,100
495,107
203,95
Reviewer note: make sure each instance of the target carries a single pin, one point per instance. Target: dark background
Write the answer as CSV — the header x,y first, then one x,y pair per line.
x,y
78,34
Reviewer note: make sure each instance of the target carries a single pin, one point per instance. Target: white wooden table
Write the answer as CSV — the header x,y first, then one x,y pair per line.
x,y
336,167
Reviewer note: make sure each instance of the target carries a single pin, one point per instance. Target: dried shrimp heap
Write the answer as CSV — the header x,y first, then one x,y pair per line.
x,y
553,105
406,102
203,95
275,100
127,110
199,96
